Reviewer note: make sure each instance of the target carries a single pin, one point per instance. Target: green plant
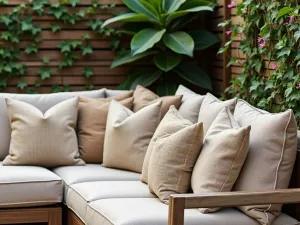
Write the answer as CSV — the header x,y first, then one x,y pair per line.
x,y
158,29
270,34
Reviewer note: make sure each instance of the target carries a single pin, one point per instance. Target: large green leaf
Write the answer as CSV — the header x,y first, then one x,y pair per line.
x,y
194,75
203,39
145,39
180,42
196,3
126,57
172,5
143,7
146,78
128,17
167,61
166,88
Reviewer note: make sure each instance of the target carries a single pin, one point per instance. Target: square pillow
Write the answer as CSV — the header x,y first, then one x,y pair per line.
x,y
128,135
38,139
173,156
223,154
210,108
92,116
143,97
271,156
190,103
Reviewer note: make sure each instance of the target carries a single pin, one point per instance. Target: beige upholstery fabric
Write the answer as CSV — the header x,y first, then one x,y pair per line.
x,y
41,101
39,139
271,156
92,116
113,93
79,195
128,135
143,97
174,156
210,108
150,211
190,103
25,186
224,151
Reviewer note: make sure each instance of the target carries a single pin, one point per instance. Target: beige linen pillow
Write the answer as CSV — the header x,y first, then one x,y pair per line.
x,y
128,135
190,103
143,97
39,139
210,108
271,156
92,116
224,151
173,157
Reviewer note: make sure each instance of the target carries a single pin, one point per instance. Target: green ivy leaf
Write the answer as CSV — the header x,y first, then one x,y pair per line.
x,y
55,28
45,72
74,2
87,49
31,49
46,60
88,72
22,85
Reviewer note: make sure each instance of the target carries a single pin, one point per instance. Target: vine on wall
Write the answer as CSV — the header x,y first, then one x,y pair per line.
x,y
270,40
19,24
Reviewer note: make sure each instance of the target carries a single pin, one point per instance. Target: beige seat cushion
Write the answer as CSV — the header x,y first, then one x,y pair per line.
x,y
210,108
190,103
150,211
92,116
41,101
26,186
52,139
128,135
79,195
224,151
92,172
143,97
271,156
174,156
113,93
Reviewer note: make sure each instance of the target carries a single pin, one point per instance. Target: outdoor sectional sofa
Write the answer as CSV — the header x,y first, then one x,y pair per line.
x,y
96,195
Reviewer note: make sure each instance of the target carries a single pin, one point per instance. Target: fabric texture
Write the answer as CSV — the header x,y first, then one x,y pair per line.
x,y
271,156
210,108
128,135
92,116
41,101
150,211
223,154
190,103
143,97
39,139
173,157
113,93
28,186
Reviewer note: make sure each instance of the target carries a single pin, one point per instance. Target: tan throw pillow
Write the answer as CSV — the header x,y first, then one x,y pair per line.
x,y
271,156
190,103
143,97
39,139
174,156
128,135
224,151
92,116
210,108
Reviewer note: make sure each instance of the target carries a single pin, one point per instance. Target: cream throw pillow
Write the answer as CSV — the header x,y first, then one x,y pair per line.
x,y
173,156
210,108
39,139
128,135
224,151
271,156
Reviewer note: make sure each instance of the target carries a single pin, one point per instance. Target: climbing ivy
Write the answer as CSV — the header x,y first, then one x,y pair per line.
x,y
18,25
270,41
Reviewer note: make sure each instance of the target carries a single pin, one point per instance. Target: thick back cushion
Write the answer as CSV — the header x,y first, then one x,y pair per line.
x,y
41,101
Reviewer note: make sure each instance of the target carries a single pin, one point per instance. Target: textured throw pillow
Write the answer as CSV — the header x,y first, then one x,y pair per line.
x,y
173,157
224,151
92,116
39,139
190,103
128,135
210,108
143,97
271,156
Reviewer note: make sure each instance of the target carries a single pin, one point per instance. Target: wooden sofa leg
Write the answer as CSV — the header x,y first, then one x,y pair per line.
x,y
55,216
176,211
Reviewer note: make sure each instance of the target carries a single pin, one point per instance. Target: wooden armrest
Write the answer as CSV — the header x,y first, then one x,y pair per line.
x,y
180,202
